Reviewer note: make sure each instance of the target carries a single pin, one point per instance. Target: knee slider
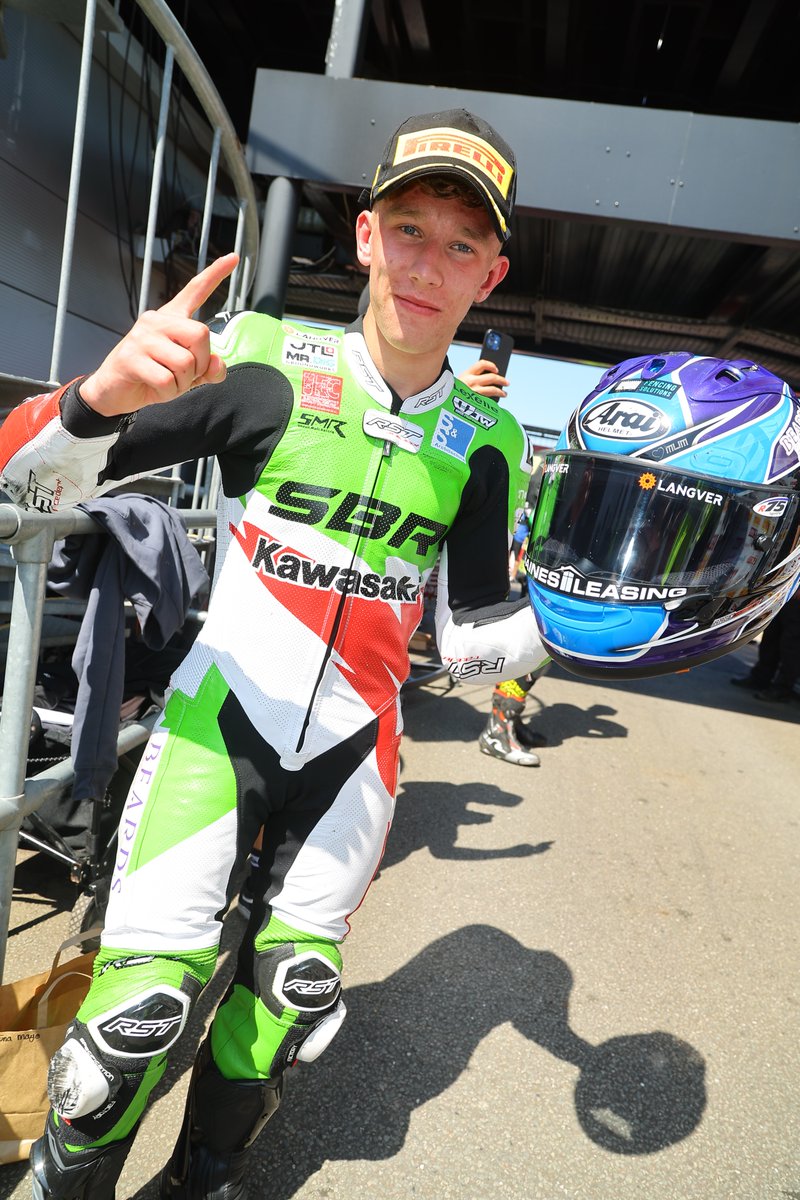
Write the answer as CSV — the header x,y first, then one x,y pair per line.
x,y
301,986
129,1018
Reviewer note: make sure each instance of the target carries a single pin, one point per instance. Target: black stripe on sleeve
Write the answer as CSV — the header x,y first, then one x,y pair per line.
x,y
240,420
477,544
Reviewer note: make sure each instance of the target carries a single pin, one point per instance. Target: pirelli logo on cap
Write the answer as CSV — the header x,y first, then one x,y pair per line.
x,y
465,148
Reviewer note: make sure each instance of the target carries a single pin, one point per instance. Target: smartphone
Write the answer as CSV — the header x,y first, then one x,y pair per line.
x,y
497,348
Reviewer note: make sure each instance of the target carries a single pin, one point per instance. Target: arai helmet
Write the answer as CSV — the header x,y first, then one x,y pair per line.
x,y
667,528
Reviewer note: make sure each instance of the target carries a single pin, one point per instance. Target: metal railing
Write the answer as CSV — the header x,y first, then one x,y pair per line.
x,y
31,535
225,144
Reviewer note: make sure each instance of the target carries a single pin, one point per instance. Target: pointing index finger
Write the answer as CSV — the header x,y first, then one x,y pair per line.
x,y
198,290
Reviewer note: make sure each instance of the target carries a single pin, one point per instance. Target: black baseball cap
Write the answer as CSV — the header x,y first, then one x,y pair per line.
x,y
454,142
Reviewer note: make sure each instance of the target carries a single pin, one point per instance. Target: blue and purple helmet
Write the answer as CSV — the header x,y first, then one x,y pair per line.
x,y
667,528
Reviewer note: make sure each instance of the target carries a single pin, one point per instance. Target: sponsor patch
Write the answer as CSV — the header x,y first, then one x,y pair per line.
x,y
322,424
453,435
272,558
450,143
690,492
465,409
323,392
790,440
404,434
573,583
647,481
364,516
774,507
650,387
625,420
319,354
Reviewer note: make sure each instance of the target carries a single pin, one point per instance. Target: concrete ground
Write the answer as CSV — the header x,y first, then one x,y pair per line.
x,y
573,981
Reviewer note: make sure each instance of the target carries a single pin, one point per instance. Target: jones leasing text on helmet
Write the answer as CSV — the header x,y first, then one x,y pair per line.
x,y
667,529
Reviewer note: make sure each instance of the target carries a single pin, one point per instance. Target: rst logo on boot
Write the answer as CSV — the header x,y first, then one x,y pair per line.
x,y
308,982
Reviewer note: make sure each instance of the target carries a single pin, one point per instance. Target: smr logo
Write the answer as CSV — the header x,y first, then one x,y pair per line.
x,y
322,424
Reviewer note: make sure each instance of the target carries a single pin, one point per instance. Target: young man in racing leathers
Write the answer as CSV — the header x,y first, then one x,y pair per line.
x,y
350,462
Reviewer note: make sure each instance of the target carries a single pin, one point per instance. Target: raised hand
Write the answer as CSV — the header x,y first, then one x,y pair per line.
x,y
165,354
482,377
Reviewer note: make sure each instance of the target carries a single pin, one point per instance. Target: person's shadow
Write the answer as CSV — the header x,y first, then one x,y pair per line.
x,y
429,815
559,722
455,720
408,1038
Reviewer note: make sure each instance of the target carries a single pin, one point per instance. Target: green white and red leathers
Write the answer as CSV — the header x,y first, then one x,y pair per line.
x,y
339,497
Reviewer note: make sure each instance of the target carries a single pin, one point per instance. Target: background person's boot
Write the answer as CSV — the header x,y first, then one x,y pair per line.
x,y
499,738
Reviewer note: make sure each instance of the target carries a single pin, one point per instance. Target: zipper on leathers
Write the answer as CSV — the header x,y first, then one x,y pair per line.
x,y
337,620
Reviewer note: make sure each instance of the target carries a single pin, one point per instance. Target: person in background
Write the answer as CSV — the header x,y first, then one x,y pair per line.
x,y
518,545
777,668
506,734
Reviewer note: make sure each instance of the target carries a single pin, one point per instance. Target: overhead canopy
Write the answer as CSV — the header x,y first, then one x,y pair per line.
x,y
658,143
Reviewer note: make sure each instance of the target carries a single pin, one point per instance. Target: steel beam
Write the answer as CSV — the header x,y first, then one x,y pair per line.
x,y
734,177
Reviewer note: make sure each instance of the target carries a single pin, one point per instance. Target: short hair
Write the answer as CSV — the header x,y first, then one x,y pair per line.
x,y
443,187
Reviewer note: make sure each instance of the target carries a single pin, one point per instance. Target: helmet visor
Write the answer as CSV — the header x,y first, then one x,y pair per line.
x,y
610,528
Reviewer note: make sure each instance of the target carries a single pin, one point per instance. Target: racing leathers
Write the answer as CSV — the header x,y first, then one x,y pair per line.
x,y
338,499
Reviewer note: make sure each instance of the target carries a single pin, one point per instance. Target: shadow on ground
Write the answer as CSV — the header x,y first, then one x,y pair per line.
x,y
408,1038
430,815
708,685
433,717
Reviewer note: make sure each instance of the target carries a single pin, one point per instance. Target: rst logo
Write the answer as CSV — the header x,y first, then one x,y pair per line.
x,y
628,419
363,516
130,1027
404,434
470,667
322,424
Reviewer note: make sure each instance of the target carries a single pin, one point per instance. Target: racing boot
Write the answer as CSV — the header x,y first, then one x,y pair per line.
x,y
223,1118
61,1174
499,738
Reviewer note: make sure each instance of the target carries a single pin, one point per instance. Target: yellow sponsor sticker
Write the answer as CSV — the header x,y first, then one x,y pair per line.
x,y
463,147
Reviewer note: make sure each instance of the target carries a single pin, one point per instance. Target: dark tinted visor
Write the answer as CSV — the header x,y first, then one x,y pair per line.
x,y
617,520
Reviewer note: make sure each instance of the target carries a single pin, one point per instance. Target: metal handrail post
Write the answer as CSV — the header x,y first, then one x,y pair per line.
x,y
24,635
155,182
74,187
231,303
198,78
208,207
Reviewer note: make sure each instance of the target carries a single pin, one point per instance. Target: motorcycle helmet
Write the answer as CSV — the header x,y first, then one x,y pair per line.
x,y
667,527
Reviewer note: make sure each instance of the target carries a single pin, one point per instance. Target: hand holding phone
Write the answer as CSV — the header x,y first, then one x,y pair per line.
x,y
497,348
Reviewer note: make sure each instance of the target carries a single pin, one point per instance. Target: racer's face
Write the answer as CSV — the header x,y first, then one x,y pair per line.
x,y
429,260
